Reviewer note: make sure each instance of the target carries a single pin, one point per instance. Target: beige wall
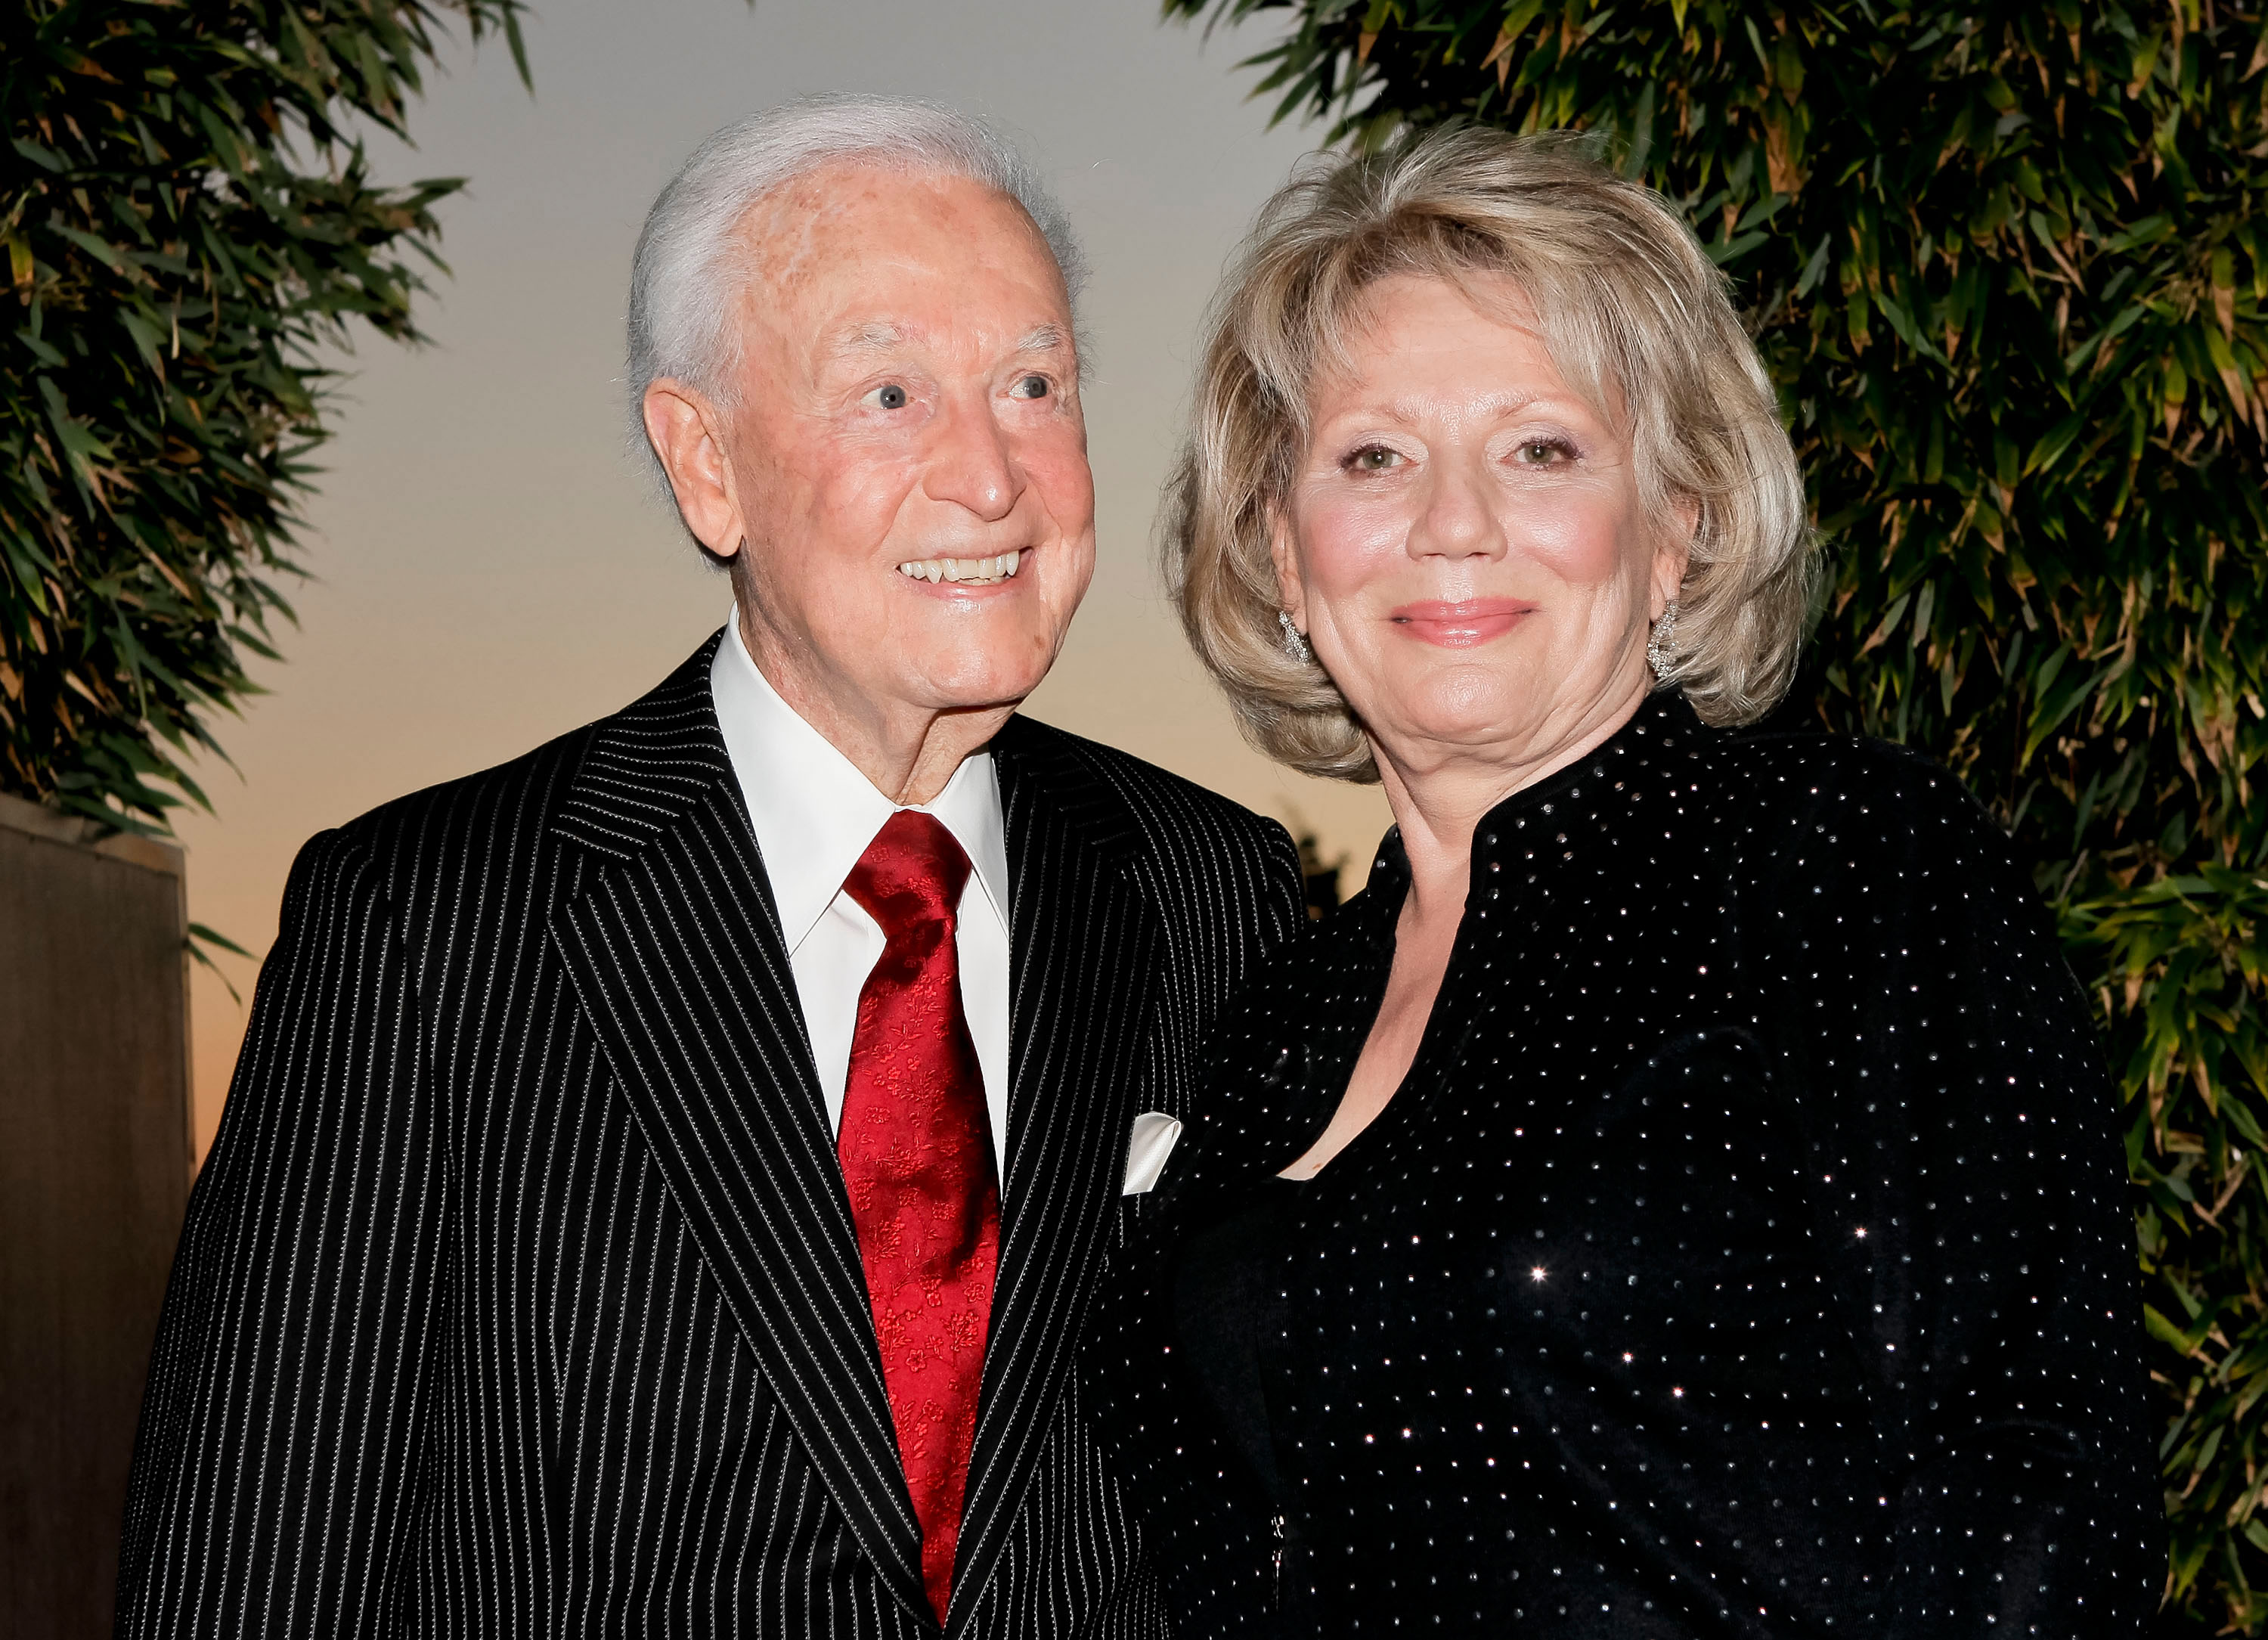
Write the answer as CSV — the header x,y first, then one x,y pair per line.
x,y
488,570
94,1172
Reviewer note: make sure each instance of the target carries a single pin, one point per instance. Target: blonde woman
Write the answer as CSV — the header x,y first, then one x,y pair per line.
x,y
1678,1196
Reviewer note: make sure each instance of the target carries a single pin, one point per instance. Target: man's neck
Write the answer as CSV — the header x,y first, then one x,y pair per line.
x,y
908,752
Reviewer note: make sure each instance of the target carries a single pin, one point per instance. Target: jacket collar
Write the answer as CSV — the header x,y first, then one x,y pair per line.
x,y
647,766
1664,727
814,812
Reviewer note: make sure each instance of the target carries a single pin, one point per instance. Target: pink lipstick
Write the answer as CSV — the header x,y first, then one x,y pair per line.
x,y
1460,625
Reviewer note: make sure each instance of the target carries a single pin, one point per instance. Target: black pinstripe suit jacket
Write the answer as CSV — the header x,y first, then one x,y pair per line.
x,y
520,1297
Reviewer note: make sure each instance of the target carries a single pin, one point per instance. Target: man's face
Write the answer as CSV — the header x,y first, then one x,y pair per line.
x,y
903,452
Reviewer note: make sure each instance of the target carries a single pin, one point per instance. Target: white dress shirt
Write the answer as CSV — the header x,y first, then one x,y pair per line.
x,y
814,813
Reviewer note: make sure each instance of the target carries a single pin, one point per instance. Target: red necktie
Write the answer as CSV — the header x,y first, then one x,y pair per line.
x,y
917,1151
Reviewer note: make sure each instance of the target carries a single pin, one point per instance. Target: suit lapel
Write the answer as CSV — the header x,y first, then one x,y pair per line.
x,y
1084,949
673,949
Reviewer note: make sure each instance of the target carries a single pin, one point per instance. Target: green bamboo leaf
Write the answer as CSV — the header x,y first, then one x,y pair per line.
x,y
1895,312
2164,1331
2056,440
101,249
2149,231
1814,269
46,158
212,939
2131,316
1737,248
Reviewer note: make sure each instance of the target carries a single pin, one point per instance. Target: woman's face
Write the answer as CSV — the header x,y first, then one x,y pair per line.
x,y
1465,545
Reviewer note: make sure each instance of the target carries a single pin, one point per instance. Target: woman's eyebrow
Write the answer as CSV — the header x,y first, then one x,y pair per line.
x,y
1512,403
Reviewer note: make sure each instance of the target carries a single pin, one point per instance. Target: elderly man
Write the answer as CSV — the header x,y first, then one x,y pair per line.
x,y
663,1175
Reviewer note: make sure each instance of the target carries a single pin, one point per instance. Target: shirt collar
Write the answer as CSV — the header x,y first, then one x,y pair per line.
x,y
814,813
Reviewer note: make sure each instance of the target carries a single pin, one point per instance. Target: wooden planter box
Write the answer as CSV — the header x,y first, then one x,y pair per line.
x,y
94,1175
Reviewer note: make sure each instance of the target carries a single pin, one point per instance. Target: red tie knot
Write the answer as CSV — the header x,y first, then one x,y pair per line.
x,y
912,873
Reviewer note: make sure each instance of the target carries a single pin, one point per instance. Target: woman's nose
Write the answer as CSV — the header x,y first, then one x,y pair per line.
x,y
1454,518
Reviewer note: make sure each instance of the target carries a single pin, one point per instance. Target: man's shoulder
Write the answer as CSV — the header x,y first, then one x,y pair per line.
x,y
513,801
1172,815
1223,881
512,809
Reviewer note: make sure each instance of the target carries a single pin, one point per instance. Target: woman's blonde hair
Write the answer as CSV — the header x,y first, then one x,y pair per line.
x,y
1635,316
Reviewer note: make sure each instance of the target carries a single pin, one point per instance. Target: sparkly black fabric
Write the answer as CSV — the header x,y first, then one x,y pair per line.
x,y
1746,1254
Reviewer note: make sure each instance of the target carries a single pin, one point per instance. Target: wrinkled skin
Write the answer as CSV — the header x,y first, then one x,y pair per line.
x,y
1465,544
906,391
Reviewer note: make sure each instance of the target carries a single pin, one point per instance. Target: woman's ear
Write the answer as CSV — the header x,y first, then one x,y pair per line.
x,y
1675,555
1291,596
687,431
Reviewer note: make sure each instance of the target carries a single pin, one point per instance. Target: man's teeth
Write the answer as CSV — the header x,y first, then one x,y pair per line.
x,y
968,572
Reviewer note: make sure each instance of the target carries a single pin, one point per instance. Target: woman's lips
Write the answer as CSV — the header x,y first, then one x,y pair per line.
x,y
1460,625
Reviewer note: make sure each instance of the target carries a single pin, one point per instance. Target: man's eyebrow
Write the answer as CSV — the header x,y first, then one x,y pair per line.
x,y
867,338
875,337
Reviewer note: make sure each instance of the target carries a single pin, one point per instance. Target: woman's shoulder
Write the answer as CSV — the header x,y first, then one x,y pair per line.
x,y
1262,1101
1806,770
1850,799
1802,762
1347,949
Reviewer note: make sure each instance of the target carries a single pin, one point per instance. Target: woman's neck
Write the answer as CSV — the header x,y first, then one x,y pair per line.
x,y
1439,799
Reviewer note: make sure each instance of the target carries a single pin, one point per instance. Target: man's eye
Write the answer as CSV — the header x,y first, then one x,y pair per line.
x,y
889,395
1029,387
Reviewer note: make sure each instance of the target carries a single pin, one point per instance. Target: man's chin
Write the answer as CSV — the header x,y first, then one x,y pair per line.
x,y
975,702
966,668
985,689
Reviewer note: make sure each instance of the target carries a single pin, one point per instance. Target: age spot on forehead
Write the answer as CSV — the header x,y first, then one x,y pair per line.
x,y
784,234
790,233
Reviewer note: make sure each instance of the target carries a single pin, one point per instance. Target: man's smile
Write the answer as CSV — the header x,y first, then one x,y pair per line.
x,y
966,572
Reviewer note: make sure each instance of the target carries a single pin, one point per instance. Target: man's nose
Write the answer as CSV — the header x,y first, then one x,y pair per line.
x,y
1456,518
970,464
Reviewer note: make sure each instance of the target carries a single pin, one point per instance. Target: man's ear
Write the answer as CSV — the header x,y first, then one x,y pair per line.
x,y
1290,595
687,431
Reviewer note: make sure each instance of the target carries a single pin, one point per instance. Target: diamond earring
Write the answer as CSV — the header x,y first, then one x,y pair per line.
x,y
1658,658
1295,641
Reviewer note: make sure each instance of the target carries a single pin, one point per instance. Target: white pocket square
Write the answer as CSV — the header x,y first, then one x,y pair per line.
x,y
1148,1145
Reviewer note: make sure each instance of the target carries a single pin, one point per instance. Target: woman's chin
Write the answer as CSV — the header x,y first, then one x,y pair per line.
x,y
1461,705
1500,732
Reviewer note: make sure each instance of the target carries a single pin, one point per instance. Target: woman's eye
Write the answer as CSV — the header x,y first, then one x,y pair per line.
x,y
1539,452
1374,458
1030,388
889,395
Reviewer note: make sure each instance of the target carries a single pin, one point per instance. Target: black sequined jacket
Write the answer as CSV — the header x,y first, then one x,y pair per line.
x,y
1747,1252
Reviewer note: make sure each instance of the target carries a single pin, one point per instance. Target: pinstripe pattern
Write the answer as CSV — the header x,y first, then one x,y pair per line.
x,y
519,1295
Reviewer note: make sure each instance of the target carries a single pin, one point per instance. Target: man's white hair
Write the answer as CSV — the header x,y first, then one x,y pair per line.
x,y
683,276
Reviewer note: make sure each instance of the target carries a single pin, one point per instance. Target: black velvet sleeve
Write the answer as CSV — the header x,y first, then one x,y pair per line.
x,y
1963,1176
